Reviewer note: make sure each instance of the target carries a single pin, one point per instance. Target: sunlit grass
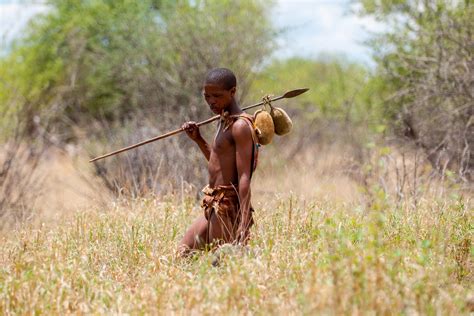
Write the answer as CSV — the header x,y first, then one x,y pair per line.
x,y
304,257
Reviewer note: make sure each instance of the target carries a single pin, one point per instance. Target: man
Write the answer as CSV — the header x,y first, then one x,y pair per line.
x,y
231,160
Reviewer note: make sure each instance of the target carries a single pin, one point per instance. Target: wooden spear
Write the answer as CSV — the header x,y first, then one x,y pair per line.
x,y
289,94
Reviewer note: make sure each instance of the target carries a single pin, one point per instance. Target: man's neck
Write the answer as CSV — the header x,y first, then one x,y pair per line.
x,y
233,108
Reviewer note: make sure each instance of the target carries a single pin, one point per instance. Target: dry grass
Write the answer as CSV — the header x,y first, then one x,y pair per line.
x,y
316,174
322,244
317,256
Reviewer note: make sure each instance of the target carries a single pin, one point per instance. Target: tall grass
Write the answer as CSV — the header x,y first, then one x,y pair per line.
x,y
305,257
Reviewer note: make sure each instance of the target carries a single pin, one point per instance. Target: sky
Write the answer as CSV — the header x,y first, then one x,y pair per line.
x,y
310,27
315,27
14,15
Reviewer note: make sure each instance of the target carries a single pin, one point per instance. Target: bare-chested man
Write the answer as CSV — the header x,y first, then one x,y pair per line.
x,y
232,156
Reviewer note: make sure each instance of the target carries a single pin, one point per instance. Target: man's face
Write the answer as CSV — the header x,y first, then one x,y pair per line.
x,y
218,97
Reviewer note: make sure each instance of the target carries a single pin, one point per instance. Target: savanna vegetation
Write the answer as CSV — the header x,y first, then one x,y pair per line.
x,y
365,208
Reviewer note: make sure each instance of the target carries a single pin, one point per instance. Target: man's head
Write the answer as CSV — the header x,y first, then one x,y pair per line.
x,y
219,89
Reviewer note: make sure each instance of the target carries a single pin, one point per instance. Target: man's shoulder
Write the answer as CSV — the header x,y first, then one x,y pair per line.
x,y
243,126
242,122
243,119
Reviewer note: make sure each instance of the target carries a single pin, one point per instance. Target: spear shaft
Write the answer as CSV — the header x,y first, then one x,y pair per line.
x,y
289,94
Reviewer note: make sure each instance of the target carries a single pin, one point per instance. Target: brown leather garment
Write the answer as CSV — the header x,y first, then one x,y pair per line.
x,y
223,202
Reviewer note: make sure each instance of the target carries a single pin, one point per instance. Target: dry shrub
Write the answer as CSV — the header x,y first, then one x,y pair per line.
x,y
318,159
432,70
20,181
154,169
344,161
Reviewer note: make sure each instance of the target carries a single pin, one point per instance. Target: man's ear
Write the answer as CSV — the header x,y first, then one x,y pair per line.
x,y
233,90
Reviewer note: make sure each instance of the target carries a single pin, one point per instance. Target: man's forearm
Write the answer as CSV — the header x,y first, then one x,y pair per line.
x,y
244,197
204,147
243,232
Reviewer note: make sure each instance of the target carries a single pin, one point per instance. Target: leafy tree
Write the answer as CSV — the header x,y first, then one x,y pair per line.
x,y
109,59
126,70
426,59
79,59
339,90
344,103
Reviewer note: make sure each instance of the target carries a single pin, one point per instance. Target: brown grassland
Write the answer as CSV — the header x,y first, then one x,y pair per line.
x,y
323,243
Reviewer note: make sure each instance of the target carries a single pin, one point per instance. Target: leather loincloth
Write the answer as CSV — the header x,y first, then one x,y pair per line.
x,y
223,202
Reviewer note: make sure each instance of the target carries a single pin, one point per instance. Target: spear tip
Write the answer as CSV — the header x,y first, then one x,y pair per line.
x,y
294,93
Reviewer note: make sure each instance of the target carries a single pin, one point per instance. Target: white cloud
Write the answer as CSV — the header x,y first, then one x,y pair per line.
x,y
321,26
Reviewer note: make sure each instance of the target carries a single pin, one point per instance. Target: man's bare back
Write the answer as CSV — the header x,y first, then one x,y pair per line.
x,y
227,208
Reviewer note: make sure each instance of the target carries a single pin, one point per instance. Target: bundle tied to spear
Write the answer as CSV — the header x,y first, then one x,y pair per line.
x,y
276,120
271,120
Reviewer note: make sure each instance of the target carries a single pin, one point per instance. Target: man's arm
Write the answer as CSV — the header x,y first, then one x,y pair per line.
x,y
243,151
192,130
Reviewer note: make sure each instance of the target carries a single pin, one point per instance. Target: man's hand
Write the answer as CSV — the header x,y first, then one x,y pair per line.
x,y
192,130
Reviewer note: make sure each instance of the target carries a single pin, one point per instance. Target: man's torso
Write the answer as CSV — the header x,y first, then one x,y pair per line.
x,y
222,161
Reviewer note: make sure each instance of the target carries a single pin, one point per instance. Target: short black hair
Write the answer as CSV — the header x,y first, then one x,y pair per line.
x,y
223,77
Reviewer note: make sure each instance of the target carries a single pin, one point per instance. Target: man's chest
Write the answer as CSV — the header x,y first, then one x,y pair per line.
x,y
223,142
